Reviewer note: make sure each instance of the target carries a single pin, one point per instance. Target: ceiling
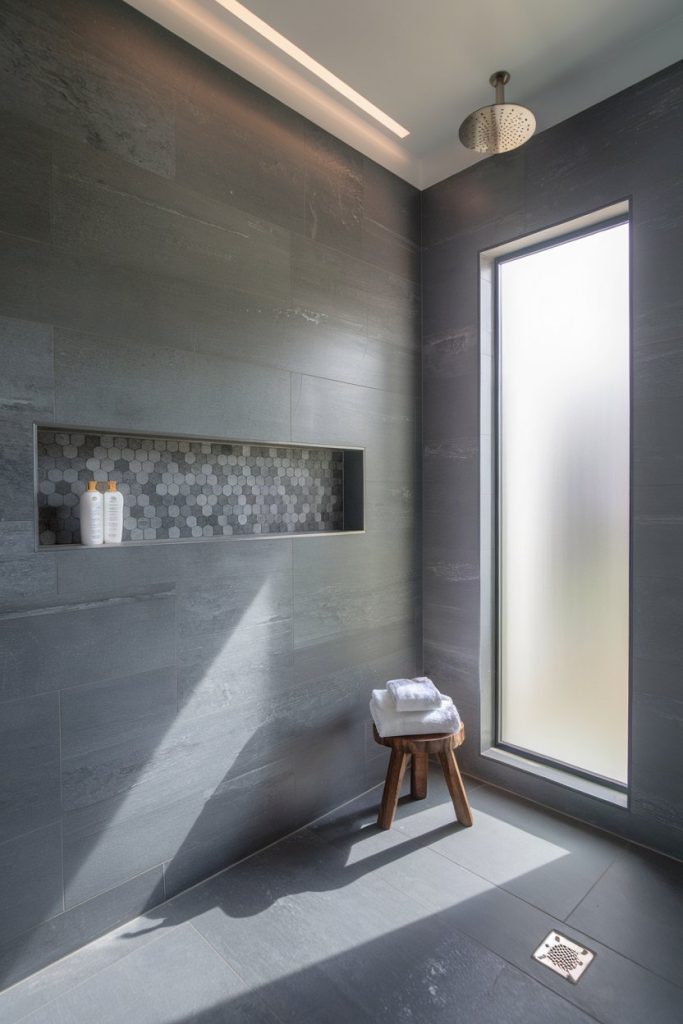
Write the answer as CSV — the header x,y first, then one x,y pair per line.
x,y
427,64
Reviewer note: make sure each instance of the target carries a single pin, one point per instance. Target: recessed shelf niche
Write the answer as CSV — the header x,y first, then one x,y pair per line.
x,y
177,488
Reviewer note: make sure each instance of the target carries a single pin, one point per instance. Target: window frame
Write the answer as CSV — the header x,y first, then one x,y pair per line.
x,y
518,251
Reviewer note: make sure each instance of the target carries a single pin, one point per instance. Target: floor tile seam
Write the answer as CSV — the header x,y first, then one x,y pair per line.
x,y
630,960
565,820
496,885
232,967
504,961
589,890
623,842
605,944
163,931
512,892
644,967
476,874
556,919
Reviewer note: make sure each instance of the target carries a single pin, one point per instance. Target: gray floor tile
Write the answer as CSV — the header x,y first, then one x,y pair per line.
x,y
550,861
331,943
637,908
178,978
422,973
58,978
346,922
42,946
614,990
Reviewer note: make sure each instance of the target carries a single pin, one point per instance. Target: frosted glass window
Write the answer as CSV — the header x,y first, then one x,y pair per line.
x,y
563,502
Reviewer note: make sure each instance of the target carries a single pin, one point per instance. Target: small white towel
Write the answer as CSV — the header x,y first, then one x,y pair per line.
x,y
418,694
391,722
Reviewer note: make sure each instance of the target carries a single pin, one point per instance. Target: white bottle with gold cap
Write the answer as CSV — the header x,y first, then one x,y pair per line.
x,y
91,512
113,514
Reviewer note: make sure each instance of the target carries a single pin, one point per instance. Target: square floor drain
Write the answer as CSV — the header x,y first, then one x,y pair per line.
x,y
564,956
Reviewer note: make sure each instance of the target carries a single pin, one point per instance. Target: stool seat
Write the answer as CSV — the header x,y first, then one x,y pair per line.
x,y
418,749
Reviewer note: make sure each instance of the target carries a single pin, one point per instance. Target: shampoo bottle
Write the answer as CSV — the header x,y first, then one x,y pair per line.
x,y
113,514
92,522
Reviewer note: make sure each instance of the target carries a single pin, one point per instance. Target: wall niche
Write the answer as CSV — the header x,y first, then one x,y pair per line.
x,y
178,488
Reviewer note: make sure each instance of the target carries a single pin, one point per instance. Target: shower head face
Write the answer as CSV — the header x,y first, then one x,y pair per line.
x,y
497,128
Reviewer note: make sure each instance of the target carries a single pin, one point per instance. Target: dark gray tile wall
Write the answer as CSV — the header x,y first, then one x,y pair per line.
x,y
628,146
183,255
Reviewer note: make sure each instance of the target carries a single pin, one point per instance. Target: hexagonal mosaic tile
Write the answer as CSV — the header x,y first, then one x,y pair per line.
x,y
175,489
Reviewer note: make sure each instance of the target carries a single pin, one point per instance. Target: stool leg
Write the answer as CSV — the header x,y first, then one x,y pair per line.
x,y
418,776
392,788
455,787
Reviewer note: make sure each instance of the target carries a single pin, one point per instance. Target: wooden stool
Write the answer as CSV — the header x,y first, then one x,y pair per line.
x,y
418,748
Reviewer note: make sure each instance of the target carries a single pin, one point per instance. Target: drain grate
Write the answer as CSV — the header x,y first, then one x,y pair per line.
x,y
564,956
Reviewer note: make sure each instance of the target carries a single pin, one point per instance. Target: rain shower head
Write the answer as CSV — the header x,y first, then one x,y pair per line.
x,y
499,127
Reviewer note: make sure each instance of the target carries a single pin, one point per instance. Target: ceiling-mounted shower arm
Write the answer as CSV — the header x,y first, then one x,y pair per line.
x,y
499,79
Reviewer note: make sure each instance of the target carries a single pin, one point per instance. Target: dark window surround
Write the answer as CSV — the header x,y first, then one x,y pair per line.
x,y
492,259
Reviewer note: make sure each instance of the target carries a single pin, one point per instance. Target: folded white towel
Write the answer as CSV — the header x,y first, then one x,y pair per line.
x,y
391,722
418,694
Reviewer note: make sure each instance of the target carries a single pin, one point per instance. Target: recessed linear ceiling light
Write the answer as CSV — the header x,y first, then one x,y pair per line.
x,y
293,51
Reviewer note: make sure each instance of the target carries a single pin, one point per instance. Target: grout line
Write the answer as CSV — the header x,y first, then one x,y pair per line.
x,y
32,832
553,918
411,394
304,828
622,841
95,602
291,403
61,795
233,968
585,896
479,942
104,892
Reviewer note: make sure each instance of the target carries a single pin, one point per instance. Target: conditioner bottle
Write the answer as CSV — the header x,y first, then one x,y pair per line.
x,y
113,514
92,523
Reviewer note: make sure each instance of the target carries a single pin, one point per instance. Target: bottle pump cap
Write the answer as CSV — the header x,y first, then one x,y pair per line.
x,y
92,485
111,485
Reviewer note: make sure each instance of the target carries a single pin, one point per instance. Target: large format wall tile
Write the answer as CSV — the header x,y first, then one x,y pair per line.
x,y
123,213
184,255
47,74
626,146
25,197
221,114
49,648
31,878
57,936
385,424
26,394
29,764
121,384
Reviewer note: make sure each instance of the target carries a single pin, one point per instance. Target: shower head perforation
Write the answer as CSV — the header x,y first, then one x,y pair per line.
x,y
499,127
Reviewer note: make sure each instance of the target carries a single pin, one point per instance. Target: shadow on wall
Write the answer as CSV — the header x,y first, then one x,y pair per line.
x,y
184,277
185,792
